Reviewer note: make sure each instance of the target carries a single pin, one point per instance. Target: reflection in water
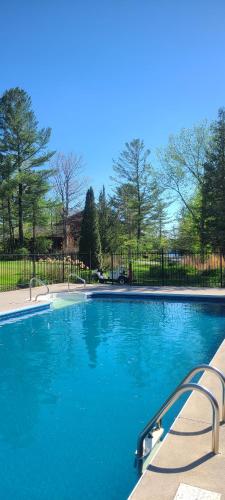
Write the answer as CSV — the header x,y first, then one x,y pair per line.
x,y
69,376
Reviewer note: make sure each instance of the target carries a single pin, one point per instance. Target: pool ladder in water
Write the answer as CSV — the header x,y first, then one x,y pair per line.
x,y
150,438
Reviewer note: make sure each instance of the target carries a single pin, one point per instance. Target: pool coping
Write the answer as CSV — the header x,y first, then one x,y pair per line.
x,y
24,311
155,295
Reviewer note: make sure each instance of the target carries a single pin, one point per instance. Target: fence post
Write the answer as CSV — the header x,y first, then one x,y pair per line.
x,y
221,269
162,267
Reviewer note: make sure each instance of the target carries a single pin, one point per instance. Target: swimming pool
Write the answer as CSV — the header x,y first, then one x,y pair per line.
x,y
77,385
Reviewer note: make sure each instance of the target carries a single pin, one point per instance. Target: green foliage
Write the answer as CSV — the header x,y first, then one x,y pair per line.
x,y
22,251
187,236
90,243
182,170
42,245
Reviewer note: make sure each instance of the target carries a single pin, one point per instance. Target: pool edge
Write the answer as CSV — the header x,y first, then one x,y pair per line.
x,y
23,311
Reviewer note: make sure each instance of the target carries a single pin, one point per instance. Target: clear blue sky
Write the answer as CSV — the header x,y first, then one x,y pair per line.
x,y
101,72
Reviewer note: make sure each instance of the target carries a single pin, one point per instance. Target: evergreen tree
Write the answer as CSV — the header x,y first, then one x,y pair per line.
x,y
214,186
35,204
22,145
90,245
109,224
123,203
134,193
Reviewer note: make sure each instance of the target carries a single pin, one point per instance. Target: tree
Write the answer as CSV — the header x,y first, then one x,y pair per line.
x,y
182,170
160,221
214,186
186,235
135,189
123,203
90,245
35,204
22,144
69,184
7,185
109,224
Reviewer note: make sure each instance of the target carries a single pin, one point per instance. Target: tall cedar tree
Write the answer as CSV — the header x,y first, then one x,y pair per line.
x,y
214,186
22,144
90,245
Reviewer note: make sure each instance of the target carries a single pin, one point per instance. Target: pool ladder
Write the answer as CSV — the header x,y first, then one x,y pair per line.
x,y
150,438
75,276
42,283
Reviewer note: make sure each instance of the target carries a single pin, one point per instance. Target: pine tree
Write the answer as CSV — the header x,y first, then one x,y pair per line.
x,y
214,186
110,229
134,193
22,144
35,204
90,245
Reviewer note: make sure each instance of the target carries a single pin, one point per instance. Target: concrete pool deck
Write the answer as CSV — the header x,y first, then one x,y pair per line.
x,y
17,299
185,455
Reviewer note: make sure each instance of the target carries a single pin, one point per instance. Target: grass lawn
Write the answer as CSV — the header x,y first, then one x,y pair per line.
x,y
17,273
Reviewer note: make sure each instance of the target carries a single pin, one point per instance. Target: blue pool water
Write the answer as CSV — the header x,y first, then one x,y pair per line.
x,y
78,384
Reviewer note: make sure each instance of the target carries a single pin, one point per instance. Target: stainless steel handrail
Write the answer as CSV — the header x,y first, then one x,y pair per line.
x,y
76,276
181,389
215,371
42,283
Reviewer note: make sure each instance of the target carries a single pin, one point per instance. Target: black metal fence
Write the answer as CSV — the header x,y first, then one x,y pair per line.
x,y
158,268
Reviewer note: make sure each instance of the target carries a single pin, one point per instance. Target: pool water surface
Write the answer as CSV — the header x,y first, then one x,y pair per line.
x,y
78,384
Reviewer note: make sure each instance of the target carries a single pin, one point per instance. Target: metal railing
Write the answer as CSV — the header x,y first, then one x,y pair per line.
x,y
156,420
83,281
39,294
186,386
216,372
